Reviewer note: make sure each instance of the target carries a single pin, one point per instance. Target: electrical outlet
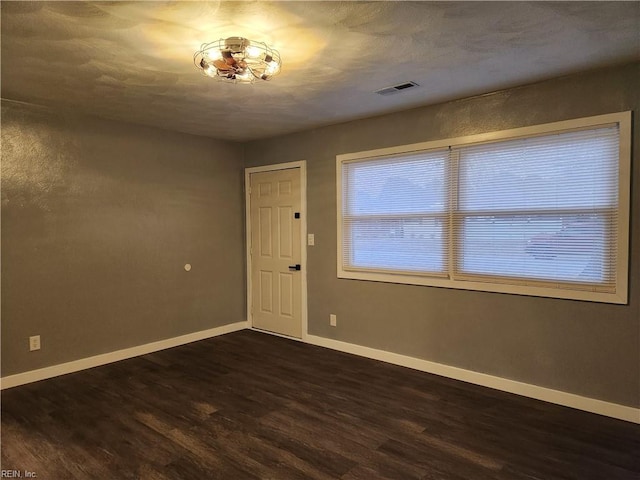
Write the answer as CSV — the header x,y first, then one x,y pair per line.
x,y
333,321
34,343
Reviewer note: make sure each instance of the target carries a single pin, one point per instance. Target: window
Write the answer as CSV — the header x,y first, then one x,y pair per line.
x,y
536,211
396,213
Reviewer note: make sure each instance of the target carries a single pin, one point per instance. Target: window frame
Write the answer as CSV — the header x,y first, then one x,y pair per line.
x,y
548,289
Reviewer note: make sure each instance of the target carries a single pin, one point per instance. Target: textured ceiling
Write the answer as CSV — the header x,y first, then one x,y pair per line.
x,y
132,61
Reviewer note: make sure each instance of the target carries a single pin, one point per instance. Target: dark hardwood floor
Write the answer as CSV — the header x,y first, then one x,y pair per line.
x,y
253,406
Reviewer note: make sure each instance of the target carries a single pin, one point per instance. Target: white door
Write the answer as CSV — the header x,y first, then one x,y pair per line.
x,y
276,278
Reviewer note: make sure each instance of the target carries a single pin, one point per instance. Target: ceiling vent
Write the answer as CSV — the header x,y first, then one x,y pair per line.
x,y
396,88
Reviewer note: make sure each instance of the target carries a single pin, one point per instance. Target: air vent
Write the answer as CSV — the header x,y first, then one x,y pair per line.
x,y
396,88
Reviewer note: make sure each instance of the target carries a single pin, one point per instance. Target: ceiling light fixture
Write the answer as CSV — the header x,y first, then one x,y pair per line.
x,y
237,60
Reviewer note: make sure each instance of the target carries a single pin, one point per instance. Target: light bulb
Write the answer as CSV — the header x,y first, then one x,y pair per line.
x,y
272,67
244,77
213,54
252,51
207,69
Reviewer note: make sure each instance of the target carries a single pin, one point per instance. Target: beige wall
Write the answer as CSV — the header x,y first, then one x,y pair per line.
x,y
589,349
98,220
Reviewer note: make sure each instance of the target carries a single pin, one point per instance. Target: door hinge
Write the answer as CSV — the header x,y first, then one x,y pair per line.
x,y
296,215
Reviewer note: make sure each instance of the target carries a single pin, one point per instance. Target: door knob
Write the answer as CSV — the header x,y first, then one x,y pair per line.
x,y
295,267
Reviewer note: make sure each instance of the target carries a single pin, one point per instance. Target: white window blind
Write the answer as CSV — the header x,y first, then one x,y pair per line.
x,y
540,210
395,214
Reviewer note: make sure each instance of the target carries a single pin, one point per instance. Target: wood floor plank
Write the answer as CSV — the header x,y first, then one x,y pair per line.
x,y
248,405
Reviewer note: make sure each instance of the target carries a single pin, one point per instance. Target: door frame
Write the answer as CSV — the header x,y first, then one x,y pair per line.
x,y
301,165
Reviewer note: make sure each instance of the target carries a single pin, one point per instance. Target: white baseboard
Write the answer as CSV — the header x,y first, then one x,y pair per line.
x,y
558,397
105,358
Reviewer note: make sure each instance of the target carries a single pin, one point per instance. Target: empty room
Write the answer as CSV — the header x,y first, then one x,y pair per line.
x,y
288,240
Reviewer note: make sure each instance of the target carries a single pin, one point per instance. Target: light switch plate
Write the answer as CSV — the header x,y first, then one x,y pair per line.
x,y
311,239
34,343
